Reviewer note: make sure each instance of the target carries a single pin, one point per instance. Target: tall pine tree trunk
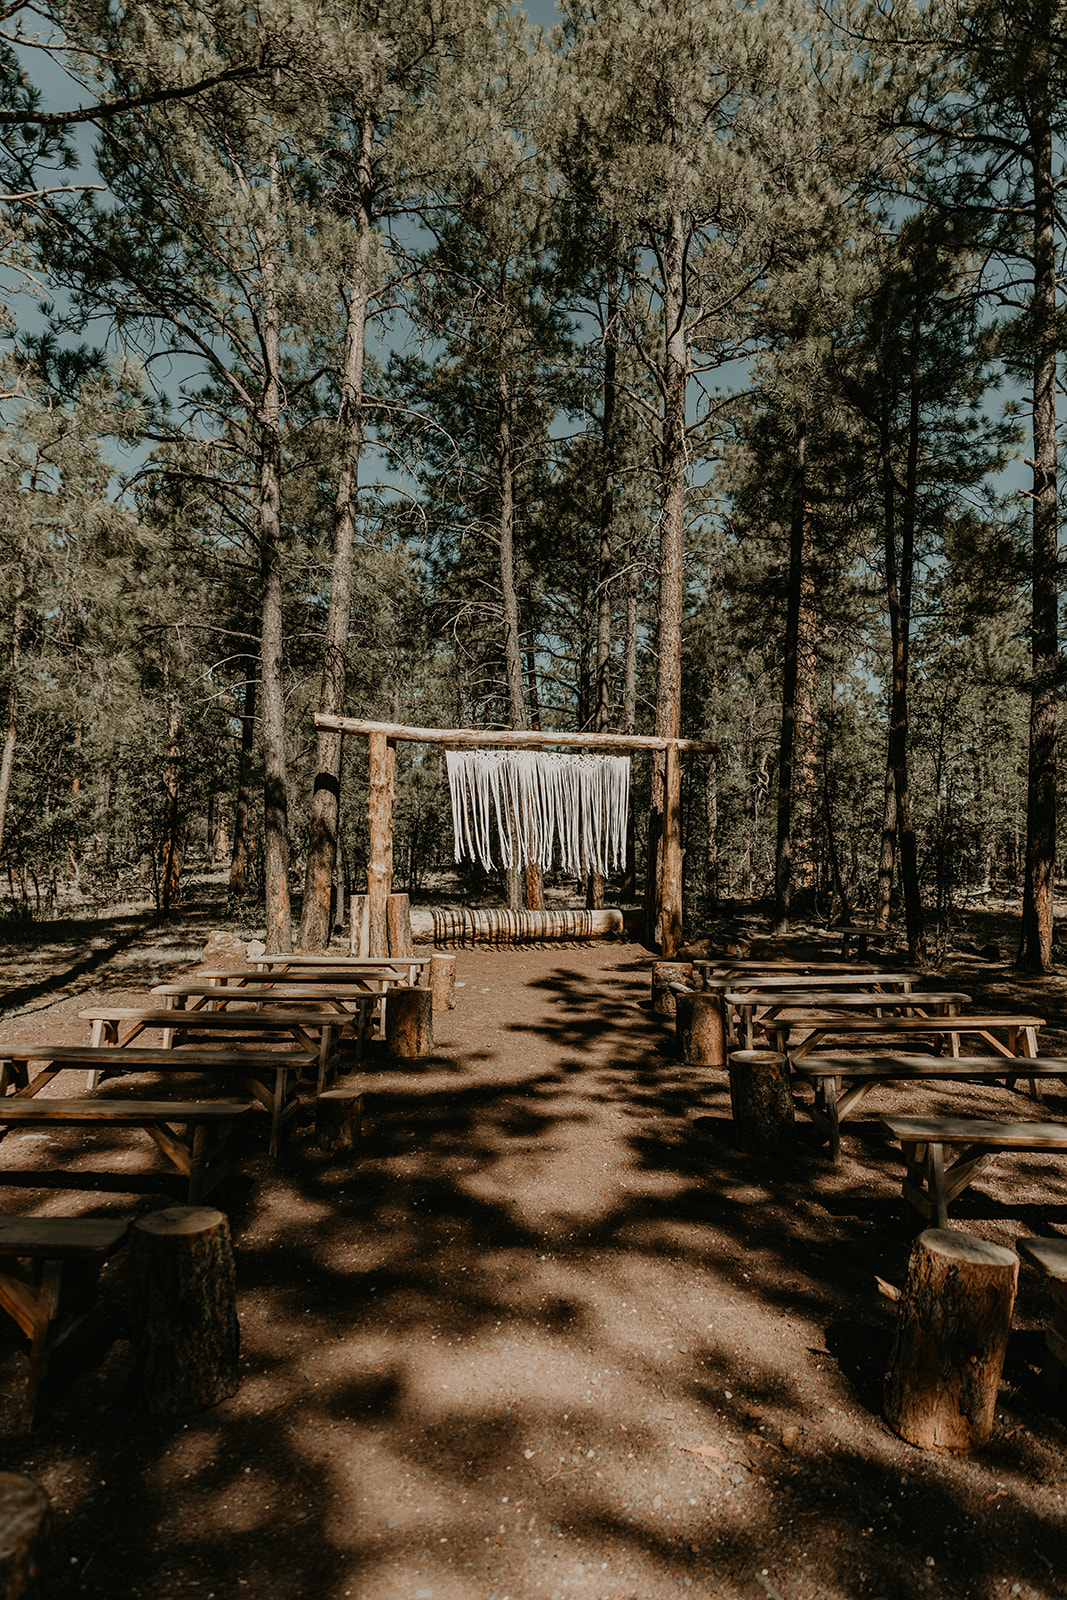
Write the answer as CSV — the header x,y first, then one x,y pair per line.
x,y
275,768
11,709
595,893
663,909
783,862
239,857
325,800
1035,950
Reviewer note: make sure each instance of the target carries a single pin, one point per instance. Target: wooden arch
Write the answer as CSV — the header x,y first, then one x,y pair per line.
x,y
383,737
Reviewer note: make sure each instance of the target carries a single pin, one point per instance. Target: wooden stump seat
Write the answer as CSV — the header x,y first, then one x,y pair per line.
x,y
55,1304
953,1322
183,1290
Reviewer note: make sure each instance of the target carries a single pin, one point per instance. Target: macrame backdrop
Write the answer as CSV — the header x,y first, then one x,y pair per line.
x,y
574,803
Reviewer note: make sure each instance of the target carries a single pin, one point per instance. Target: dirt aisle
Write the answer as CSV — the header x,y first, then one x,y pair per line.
x,y
551,1336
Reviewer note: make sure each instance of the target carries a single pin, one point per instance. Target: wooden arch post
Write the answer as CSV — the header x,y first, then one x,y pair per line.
x,y
382,740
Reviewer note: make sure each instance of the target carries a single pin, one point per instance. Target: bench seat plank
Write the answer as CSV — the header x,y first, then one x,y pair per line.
x,y
199,1158
929,1185
318,1029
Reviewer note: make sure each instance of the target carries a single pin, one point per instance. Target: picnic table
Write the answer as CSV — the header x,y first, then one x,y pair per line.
x,y
268,1075
763,1009
376,975
310,1030
841,1083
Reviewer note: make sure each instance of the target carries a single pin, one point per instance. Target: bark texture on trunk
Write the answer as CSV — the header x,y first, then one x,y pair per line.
x,y
663,900
11,708
326,794
783,862
1035,950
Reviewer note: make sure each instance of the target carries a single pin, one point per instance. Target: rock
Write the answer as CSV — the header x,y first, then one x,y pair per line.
x,y
254,948
223,946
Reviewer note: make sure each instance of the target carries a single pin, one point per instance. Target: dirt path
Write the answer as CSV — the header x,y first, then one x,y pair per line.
x,y
551,1336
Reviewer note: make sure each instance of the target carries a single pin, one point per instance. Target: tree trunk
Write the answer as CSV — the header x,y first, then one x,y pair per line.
x,y
183,1292
325,800
275,767
239,859
602,716
1035,950
952,1332
761,1102
173,827
14,656
783,862
663,907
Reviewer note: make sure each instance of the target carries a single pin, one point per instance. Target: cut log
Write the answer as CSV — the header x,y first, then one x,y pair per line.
x,y
409,1023
701,1022
398,921
761,1101
443,982
25,1518
952,1332
359,925
446,926
667,975
184,1297
338,1120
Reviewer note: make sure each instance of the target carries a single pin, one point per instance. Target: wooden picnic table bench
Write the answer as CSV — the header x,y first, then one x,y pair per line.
x,y
763,1008
375,975
55,1304
1020,1032
841,1083
410,966
929,1186
311,1030
1049,1256
269,1075
726,966
351,1000
199,1155
889,982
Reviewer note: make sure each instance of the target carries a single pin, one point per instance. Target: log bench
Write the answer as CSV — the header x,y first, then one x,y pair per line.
x,y
200,1154
311,1030
1049,1256
929,1186
841,1083
269,1075
55,1303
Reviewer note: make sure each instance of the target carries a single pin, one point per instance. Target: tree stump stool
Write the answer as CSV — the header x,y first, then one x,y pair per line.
x,y
664,975
25,1518
184,1296
761,1101
338,1120
398,925
409,1023
443,982
701,1021
953,1322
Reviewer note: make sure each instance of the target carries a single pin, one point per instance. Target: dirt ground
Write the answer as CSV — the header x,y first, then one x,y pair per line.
x,y
550,1337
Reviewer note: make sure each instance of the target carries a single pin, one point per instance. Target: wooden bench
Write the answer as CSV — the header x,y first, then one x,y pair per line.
x,y
1020,1032
352,999
201,1155
55,1304
1049,1256
269,1075
929,1186
312,1030
841,1083
764,1009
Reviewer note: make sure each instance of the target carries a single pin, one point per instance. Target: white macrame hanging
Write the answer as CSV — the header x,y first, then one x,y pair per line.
x,y
577,804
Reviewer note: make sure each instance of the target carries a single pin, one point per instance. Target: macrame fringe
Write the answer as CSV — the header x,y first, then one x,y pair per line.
x,y
541,803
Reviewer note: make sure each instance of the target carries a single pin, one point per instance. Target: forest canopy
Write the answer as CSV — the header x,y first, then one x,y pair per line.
x,y
686,369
